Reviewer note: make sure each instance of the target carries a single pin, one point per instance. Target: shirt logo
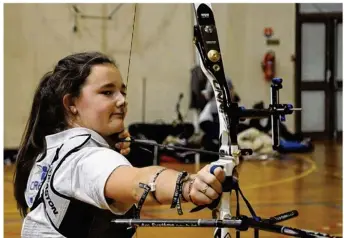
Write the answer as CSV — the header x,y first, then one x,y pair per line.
x,y
41,174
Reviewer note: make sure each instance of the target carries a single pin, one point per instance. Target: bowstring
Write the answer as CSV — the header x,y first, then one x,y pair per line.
x,y
131,47
127,83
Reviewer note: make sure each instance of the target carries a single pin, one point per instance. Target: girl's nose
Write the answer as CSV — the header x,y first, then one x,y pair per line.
x,y
121,101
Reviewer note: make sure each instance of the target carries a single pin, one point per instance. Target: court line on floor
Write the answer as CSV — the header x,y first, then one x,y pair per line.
x,y
305,173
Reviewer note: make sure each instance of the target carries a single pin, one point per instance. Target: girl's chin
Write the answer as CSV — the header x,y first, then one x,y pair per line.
x,y
116,127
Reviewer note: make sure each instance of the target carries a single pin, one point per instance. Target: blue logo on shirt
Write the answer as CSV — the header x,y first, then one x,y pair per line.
x,y
42,171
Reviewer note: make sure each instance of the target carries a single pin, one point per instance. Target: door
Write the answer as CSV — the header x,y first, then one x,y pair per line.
x,y
319,73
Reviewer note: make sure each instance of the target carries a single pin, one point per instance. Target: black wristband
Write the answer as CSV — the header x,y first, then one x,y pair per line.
x,y
182,177
142,199
147,188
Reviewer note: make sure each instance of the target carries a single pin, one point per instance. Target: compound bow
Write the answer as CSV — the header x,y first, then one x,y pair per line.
x,y
207,43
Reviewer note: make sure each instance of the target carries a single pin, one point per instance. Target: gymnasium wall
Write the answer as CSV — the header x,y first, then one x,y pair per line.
x,y
36,36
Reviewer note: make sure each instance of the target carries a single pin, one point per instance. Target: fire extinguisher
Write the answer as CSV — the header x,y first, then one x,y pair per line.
x,y
268,65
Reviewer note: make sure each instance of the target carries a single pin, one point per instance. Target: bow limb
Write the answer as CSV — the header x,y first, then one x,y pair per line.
x,y
207,43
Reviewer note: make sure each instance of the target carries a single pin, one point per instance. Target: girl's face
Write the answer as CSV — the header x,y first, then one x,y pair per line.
x,y
101,105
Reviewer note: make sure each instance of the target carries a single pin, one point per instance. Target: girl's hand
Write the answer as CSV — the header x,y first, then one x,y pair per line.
x,y
124,147
206,187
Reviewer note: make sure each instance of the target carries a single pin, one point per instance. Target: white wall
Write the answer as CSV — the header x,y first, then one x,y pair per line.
x,y
37,35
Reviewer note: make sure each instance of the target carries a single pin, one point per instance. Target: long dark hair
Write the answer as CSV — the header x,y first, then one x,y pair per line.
x,y
48,113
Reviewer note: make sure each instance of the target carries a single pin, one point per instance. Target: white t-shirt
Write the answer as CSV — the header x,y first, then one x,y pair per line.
x,y
80,174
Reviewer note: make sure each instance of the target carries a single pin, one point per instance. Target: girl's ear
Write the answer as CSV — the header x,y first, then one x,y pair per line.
x,y
69,105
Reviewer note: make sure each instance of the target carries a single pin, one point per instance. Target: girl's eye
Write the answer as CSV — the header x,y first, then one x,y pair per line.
x,y
107,93
124,93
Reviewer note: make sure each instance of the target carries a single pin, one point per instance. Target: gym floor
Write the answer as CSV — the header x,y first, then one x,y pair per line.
x,y
309,183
